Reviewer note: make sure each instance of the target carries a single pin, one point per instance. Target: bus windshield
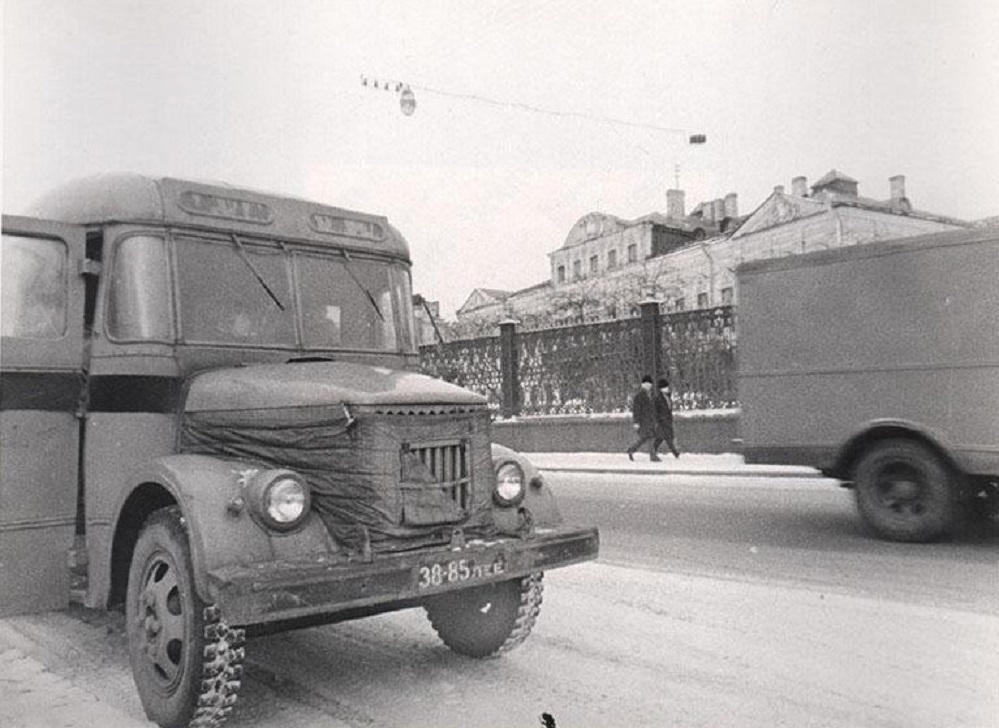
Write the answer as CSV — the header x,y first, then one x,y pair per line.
x,y
353,303
250,294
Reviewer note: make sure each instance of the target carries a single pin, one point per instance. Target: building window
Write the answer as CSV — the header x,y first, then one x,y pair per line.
x,y
594,264
726,294
577,269
611,259
680,304
702,300
632,253
561,274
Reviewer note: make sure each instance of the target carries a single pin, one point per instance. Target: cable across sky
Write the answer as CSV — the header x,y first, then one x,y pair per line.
x,y
400,86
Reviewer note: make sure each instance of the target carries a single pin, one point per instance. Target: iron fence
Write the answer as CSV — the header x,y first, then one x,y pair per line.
x,y
470,363
698,350
596,367
579,369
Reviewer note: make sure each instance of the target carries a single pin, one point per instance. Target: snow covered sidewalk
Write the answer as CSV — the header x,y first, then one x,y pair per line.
x,y
33,697
726,464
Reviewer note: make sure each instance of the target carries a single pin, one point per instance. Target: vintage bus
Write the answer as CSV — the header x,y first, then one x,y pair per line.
x,y
211,399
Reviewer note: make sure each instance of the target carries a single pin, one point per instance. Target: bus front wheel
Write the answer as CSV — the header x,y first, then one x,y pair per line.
x,y
487,620
185,661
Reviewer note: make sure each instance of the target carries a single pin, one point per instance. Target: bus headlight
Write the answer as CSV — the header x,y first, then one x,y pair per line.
x,y
509,484
279,498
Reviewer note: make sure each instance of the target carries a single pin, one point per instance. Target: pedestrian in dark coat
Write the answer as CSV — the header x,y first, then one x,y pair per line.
x,y
664,418
643,419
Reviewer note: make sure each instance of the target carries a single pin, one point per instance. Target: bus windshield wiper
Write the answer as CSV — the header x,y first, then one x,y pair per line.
x,y
249,264
350,272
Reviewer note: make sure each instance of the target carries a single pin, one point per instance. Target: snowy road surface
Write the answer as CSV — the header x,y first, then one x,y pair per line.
x,y
636,642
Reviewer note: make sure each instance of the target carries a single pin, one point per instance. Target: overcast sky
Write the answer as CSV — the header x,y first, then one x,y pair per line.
x,y
268,94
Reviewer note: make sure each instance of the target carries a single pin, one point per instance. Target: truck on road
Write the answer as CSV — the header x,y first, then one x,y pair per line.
x,y
212,417
878,364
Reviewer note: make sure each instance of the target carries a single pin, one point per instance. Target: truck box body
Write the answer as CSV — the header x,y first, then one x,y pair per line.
x,y
834,344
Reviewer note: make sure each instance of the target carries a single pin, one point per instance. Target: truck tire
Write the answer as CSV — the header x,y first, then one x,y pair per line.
x,y
904,492
185,661
485,621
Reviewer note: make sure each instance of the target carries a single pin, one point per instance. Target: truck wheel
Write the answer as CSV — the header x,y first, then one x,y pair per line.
x,y
484,621
904,492
185,661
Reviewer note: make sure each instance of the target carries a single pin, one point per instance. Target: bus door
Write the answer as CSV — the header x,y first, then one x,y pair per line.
x,y
41,378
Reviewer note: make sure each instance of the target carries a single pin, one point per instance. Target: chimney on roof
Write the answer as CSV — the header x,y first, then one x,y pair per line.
x,y
731,205
799,187
718,209
674,203
897,188
779,189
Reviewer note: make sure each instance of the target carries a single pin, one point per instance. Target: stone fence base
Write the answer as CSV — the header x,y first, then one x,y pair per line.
x,y
713,431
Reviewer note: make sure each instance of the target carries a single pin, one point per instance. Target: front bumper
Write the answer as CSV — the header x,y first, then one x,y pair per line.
x,y
286,590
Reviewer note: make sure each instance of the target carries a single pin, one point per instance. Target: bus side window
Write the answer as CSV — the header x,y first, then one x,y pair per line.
x,y
139,298
33,288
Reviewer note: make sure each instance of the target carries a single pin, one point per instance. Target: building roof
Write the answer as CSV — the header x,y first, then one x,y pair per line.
x,y
529,289
833,175
482,298
597,225
495,293
783,207
888,208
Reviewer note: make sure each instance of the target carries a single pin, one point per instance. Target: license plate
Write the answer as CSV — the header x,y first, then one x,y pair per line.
x,y
456,571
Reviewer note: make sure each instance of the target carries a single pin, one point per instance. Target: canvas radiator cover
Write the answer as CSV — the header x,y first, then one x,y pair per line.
x,y
365,472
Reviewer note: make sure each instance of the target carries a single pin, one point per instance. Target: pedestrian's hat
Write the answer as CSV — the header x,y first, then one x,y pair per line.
x,y
663,383
646,379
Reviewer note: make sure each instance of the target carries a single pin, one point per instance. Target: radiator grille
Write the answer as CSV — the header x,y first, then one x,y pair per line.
x,y
447,462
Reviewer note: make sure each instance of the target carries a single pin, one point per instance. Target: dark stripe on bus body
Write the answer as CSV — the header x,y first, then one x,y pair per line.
x,y
44,391
134,393
60,392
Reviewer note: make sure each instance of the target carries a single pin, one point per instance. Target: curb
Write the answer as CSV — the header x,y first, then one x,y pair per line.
x,y
649,471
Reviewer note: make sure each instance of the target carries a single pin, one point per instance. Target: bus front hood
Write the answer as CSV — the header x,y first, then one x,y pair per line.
x,y
320,384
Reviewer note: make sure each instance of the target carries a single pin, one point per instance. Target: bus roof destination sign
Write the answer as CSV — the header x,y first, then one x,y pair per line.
x,y
347,226
229,208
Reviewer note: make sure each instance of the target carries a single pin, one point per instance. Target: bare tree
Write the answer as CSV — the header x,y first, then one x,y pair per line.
x,y
653,279
578,299
476,327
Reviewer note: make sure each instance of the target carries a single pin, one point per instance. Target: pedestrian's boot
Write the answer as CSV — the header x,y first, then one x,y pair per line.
x,y
654,458
631,454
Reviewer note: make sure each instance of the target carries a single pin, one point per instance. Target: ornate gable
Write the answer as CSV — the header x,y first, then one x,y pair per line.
x,y
594,225
779,209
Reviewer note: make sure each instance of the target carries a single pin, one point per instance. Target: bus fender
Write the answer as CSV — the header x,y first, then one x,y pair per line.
x,y
207,491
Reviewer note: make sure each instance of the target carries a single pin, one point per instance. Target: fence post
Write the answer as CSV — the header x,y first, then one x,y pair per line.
x,y
651,338
509,368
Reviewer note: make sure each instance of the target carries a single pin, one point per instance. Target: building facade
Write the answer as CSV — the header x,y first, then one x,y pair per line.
x,y
608,265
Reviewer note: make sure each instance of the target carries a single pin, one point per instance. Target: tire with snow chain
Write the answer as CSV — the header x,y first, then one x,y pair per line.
x,y
186,662
487,620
